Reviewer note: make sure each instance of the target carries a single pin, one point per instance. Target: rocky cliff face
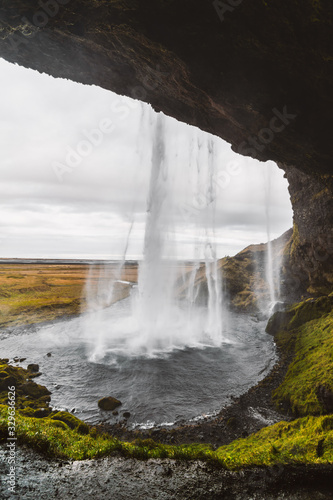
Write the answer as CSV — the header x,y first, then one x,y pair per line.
x,y
245,285
258,73
309,256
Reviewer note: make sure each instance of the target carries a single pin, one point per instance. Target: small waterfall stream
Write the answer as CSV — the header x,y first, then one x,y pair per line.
x,y
269,260
273,261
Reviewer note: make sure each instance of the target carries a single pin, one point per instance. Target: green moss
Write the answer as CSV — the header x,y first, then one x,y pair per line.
x,y
312,366
298,314
29,396
27,412
72,421
309,310
69,419
306,440
282,443
59,425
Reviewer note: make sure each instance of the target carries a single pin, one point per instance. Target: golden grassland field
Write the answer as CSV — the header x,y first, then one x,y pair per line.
x,y
31,293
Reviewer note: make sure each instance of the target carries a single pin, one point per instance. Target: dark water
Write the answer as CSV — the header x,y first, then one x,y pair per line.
x,y
184,384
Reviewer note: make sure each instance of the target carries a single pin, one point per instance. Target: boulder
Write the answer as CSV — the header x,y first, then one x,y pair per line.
x,y
109,403
279,321
33,367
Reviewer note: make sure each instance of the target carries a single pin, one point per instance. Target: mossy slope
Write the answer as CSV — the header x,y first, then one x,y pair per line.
x,y
306,440
29,396
306,330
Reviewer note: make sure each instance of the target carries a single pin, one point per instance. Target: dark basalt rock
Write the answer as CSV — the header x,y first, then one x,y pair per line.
x,y
308,262
259,75
109,403
33,368
279,321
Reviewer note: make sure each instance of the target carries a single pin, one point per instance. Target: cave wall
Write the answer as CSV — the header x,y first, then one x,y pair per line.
x,y
258,73
308,265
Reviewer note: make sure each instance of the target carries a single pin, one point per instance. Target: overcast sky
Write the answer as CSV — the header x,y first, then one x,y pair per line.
x,y
75,170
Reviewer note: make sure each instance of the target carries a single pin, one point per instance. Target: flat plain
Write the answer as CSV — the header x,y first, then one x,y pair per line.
x,y
32,293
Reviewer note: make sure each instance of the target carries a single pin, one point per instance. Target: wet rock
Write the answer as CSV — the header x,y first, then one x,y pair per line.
x,y
279,321
33,367
109,403
279,306
126,414
49,354
115,413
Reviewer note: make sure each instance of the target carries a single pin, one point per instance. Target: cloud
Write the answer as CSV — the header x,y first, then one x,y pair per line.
x,y
88,209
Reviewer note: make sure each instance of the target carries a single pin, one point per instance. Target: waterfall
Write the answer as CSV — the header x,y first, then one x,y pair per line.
x,y
213,274
155,297
272,262
156,318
